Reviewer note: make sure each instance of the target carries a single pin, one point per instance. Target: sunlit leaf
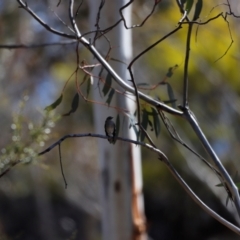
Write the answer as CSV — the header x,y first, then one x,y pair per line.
x,y
107,85
55,104
74,106
198,10
110,95
156,122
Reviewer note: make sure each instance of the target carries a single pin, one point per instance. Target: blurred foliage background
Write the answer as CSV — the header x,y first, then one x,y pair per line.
x,y
34,203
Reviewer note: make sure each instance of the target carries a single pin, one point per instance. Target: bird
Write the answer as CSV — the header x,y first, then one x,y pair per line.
x,y
110,129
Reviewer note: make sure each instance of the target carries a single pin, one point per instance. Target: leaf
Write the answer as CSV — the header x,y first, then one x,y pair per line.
x,y
189,5
171,71
75,102
171,95
55,104
229,194
156,122
88,86
132,123
117,125
74,106
170,101
236,183
107,85
110,95
144,124
198,10
150,124
183,2
143,84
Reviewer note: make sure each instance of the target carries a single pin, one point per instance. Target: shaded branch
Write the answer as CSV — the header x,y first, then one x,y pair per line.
x,y
185,77
61,43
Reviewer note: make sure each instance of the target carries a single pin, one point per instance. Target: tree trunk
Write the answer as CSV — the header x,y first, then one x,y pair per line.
x,y
120,164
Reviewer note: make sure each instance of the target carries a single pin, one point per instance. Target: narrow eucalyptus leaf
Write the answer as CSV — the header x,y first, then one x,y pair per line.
x,y
156,122
198,10
150,124
107,85
189,5
88,86
171,95
75,102
117,125
144,123
74,105
110,96
55,104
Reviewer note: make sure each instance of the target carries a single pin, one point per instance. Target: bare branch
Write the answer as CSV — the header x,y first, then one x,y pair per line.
x,y
72,19
61,43
197,200
224,174
45,25
142,23
170,167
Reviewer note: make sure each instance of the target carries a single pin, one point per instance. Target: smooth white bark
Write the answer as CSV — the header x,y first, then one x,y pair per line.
x,y
120,164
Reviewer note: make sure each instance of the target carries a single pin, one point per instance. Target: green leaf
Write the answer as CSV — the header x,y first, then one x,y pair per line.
x,y
144,123
170,101
110,95
156,122
88,86
227,200
150,124
75,102
132,122
189,5
143,84
198,10
117,125
55,104
236,183
107,85
183,1
171,95
171,71
74,106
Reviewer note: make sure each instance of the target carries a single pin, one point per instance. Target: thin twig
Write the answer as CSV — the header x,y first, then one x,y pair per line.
x,y
45,25
61,166
197,200
144,20
185,77
61,43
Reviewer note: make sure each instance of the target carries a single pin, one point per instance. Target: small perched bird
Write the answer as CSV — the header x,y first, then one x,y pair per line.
x,y
110,129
